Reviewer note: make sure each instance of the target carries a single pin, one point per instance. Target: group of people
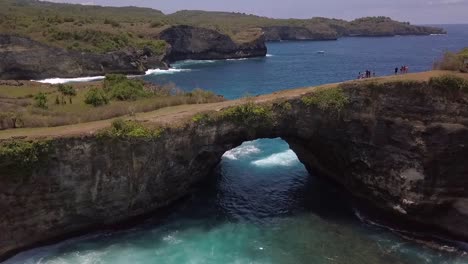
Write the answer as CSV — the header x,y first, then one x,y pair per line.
x,y
403,69
367,74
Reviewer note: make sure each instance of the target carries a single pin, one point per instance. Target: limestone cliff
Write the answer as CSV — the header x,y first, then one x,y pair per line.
x,y
23,58
277,33
196,43
400,146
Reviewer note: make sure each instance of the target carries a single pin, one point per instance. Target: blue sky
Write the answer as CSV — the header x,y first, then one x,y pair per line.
x,y
414,11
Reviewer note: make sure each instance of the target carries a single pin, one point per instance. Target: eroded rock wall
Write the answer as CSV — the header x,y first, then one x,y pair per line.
x,y
25,59
400,147
194,43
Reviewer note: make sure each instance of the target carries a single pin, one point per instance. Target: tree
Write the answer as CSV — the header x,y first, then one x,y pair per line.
x,y
41,100
67,90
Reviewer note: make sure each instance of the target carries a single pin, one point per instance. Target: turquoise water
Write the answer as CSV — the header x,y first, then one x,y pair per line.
x,y
296,64
260,205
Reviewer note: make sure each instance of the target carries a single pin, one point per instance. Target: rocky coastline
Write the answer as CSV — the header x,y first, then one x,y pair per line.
x,y
398,146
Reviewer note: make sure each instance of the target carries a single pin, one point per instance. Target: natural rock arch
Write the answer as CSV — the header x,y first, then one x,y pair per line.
x,y
401,147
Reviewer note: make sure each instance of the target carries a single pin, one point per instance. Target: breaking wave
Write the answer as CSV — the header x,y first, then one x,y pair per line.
x,y
241,151
284,159
68,80
169,71
97,78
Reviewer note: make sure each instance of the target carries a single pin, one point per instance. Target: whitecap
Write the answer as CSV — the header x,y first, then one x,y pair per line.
x,y
68,80
97,78
284,159
270,55
168,71
186,63
240,59
241,151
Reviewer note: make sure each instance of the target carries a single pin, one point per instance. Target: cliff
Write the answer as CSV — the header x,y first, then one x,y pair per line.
x,y
276,33
195,43
23,59
400,146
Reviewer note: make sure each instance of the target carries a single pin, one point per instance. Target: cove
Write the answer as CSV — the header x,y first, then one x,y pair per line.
x,y
392,158
251,209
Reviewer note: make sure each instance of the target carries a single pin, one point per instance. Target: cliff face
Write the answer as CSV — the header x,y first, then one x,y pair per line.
x,y
202,44
401,147
277,33
22,58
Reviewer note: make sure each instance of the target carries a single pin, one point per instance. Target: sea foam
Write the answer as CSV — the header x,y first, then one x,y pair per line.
x,y
284,159
68,80
241,151
96,78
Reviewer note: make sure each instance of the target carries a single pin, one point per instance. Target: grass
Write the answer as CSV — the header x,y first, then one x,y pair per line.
x,y
104,29
128,129
449,83
326,99
20,104
201,113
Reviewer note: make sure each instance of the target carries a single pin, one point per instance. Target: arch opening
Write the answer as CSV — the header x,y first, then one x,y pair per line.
x,y
260,205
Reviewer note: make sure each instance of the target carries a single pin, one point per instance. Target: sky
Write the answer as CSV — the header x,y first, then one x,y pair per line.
x,y
414,11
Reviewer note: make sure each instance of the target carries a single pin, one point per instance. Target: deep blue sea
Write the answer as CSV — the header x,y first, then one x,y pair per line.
x,y
260,205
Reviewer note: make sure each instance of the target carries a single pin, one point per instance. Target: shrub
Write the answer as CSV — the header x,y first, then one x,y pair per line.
x,y
453,61
157,47
248,114
96,97
20,155
40,100
449,83
121,88
156,24
326,99
130,129
111,22
201,117
200,95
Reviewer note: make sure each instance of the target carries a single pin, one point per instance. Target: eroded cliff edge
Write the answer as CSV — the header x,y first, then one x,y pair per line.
x,y
22,58
400,146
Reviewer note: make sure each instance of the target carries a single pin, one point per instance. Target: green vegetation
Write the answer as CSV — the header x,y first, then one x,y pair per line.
x,y
449,83
96,97
40,100
453,61
126,129
116,96
121,88
326,99
19,156
66,91
249,113
104,29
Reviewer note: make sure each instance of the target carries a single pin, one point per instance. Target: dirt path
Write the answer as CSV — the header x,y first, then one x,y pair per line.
x,y
174,114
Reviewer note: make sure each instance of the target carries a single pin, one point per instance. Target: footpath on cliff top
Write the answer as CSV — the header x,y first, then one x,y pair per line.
x,y
173,115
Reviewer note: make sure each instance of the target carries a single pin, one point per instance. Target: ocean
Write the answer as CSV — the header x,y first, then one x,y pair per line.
x,y
260,205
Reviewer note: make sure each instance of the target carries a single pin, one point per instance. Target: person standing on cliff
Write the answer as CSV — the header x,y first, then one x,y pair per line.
x,y
396,70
